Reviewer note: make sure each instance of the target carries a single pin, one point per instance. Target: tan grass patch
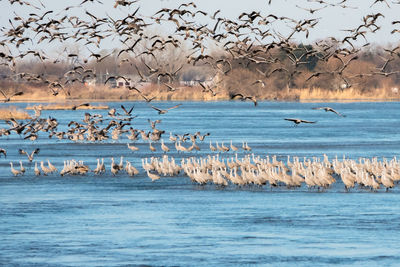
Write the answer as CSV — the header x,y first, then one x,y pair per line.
x,y
13,112
349,94
102,93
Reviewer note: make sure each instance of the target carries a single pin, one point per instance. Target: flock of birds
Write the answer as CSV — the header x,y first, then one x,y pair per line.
x,y
251,170
249,39
97,128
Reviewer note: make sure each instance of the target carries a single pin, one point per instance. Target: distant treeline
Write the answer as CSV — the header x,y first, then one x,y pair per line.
x,y
248,54
262,72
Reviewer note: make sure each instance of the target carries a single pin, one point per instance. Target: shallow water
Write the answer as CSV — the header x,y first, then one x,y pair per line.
x,y
114,221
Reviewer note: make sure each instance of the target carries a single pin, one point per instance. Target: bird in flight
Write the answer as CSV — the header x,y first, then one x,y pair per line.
x,y
3,151
331,110
8,98
163,111
80,105
127,112
298,121
244,98
30,156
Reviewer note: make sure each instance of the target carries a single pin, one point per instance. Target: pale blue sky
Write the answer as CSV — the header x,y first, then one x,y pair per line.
x,y
332,19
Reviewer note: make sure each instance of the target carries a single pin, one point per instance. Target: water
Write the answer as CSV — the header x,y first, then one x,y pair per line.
x,y
116,221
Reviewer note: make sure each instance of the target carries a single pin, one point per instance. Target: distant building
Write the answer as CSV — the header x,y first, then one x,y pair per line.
x,y
90,82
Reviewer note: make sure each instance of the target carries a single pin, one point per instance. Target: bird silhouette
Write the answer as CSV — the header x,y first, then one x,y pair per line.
x,y
30,156
164,111
8,98
298,121
330,110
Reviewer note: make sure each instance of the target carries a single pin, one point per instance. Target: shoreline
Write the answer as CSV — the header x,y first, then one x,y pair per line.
x,y
103,94
311,100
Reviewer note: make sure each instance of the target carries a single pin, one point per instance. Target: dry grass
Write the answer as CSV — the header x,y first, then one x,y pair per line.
x,y
78,94
13,112
350,94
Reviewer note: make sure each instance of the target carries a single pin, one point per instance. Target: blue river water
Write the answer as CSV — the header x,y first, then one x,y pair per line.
x,y
121,221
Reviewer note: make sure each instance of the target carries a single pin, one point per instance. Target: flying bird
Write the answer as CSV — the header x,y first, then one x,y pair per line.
x,y
163,111
30,156
331,110
244,98
8,98
127,112
298,121
4,152
80,105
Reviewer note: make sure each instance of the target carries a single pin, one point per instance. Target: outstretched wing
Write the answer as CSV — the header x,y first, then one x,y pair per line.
x,y
124,109
169,87
139,73
174,107
18,93
109,78
304,121
235,96
252,98
128,112
1,91
36,151
338,113
159,110
147,99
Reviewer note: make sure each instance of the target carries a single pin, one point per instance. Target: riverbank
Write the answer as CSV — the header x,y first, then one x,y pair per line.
x,y
196,93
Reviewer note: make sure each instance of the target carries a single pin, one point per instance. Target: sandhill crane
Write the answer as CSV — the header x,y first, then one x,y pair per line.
x,y
246,146
132,147
22,169
153,176
152,148
195,146
30,156
244,98
298,121
97,170
234,148
114,167
130,170
172,138
218,147
213,148
331,110
8,98
201,137
121,163
386,181
51,167
37,171
224,148
14,171
102,166
163,111
4,152
45,170
164,147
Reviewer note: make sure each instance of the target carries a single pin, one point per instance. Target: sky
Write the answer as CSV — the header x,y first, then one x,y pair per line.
x,y
332,20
